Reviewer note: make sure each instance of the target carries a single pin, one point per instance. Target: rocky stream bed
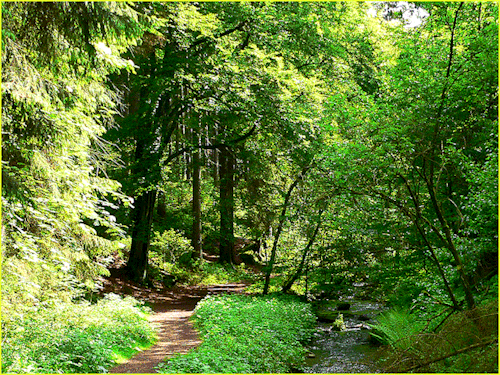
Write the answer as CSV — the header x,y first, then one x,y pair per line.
x,y
347,347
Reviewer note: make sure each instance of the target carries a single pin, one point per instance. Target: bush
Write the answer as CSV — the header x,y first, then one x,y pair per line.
x,y
244,334
169,246
75,338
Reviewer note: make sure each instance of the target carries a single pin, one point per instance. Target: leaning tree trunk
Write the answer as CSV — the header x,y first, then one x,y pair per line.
x,y
449,243
431,184
299,269
226,190
139,249
416,219
269,267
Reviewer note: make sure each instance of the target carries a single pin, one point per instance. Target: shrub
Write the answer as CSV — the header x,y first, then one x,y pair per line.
x,y
244,334
169,246
74,338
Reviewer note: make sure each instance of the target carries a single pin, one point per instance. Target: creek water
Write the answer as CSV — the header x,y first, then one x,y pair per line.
x,y
349,351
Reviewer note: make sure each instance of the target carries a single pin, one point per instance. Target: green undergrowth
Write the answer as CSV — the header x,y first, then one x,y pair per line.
x,y
247,334
216,273
123,354
397,327
201,273
275,285
465,341
76,337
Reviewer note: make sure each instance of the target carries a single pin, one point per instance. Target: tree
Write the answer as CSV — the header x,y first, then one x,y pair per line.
x,y
232,83
282,219
420,128
305,253
56,107
197,239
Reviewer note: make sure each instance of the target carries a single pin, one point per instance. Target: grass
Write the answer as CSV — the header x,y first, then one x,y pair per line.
x,y
76,337
216,273
245,334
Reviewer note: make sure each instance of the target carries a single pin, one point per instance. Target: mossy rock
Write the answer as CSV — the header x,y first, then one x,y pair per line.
x,y
362,315
332,305
326,304
327,316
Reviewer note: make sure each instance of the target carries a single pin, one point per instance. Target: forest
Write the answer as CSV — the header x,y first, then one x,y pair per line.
x,y
314,184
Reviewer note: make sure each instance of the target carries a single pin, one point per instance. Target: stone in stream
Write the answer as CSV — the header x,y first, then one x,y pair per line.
x,y
343,306
359,327
363,318
310,355
327,316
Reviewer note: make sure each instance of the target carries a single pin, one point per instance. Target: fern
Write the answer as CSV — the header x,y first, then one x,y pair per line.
x,y
396,328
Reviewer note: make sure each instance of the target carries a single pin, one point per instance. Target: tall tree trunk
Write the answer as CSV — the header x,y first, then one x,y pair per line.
x,y
139,249
215,155
196,162
226,190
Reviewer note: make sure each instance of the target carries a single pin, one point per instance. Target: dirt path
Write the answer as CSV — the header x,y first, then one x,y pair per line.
x,y
172,309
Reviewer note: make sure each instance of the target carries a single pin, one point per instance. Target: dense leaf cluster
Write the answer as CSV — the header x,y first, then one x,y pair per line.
x,y
243,334
76,338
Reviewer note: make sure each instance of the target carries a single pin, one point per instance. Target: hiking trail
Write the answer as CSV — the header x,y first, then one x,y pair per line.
x,y
171,311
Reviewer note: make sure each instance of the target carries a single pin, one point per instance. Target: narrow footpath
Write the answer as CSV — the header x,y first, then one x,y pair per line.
x,y
172,309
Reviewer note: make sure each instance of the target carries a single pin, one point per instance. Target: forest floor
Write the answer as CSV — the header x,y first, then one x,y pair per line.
x,y
172,308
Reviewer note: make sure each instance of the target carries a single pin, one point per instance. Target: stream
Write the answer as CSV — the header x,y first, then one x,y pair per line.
x,y
349,351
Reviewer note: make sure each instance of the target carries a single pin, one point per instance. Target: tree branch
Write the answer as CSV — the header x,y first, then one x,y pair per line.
x,y
270,264
227,32
460,351
212,146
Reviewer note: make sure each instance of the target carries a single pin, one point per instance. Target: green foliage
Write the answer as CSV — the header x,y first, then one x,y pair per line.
x,y
169,246
75,338
474,333
399,126
215,273
397,328
244,334
339,324
172,254
203,273
57,201
275,284
490,288
419,151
